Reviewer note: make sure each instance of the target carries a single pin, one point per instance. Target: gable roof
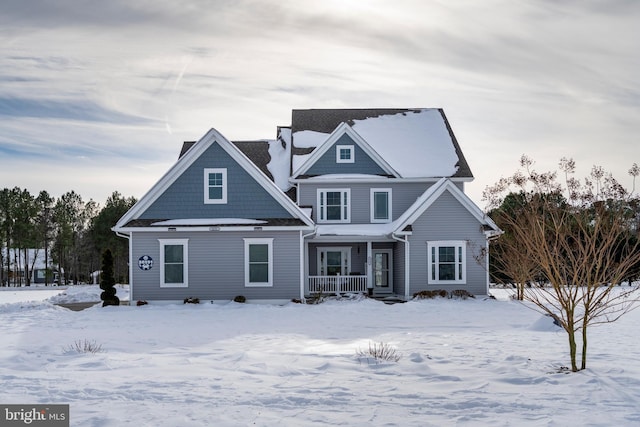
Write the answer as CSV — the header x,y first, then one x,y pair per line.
x,y
417,143
189,156
344,129
432,194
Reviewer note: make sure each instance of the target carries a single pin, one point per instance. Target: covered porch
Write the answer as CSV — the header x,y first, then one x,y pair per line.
x,y
346,266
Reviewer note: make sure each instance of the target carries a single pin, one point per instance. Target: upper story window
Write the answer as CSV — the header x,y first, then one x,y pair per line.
x,y
334,205
215,186
446,262
381,205
345,154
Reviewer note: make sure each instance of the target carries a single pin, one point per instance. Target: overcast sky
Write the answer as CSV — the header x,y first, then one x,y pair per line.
x,y
97,96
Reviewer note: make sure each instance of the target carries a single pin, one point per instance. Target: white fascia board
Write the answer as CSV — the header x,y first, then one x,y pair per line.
x,y
372,180
212,229
342,129
191,156
419,206
432,194
340,239
169,177
263,180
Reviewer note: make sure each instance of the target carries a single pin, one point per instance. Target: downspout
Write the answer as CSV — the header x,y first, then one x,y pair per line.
x,y
407,265
303,258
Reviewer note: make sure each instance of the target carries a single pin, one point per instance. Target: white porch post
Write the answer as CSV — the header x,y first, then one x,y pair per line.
x,y
407,267
369,267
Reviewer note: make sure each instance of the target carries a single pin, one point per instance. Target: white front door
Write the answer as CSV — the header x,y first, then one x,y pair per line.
x,y
334,261
382,271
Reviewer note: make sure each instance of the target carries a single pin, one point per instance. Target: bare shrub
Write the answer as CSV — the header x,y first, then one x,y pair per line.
x,y
462,294
427,294
83,346
380,352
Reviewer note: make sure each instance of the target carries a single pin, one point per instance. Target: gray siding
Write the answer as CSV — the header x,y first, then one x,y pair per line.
x,y
403,196
446,219
363,164
245,197
216,266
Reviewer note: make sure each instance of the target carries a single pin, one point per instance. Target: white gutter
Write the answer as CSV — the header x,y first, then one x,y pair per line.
x,y
407,265
303,259
372,179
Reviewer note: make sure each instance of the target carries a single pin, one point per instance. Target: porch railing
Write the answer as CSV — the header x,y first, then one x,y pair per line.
x,y
337,284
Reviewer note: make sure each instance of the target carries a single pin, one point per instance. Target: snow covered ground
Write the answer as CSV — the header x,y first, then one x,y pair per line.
x,y
473,362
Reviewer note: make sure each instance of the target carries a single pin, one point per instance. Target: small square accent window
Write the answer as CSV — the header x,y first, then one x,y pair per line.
x,y
345,154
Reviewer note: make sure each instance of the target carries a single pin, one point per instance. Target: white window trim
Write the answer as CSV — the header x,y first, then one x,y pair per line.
x,y
185,271
207,200
457,244
322,210
344,250
352,154
372,204
247,244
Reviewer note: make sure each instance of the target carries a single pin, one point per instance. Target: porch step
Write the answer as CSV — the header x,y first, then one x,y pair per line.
x,y
390,299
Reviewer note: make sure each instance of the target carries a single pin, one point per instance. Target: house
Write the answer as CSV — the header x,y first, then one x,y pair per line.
x,y
33,261
344,200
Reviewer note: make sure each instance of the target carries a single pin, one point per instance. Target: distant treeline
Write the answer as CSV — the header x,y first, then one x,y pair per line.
x,y
69,234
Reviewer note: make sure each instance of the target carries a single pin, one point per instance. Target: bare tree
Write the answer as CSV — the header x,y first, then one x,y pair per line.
x,y
581,239
510,264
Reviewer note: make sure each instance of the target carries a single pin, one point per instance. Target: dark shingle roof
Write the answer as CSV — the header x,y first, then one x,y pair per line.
x,y
185,147
256,151
326,120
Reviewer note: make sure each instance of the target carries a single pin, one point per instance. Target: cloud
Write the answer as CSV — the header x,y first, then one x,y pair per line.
x,y
105,88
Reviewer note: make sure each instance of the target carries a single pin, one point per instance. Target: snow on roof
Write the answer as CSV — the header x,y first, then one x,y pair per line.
x,y
279,164
310,138
356,229
209,221
347,176
416,143
298,160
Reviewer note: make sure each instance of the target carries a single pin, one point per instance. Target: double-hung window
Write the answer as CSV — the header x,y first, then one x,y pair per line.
x,y
446,261
334,205
174,271
381,205
215,186
345,154
258,262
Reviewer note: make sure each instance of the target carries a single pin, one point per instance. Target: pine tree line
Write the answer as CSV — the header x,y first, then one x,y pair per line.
x,y
68,233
